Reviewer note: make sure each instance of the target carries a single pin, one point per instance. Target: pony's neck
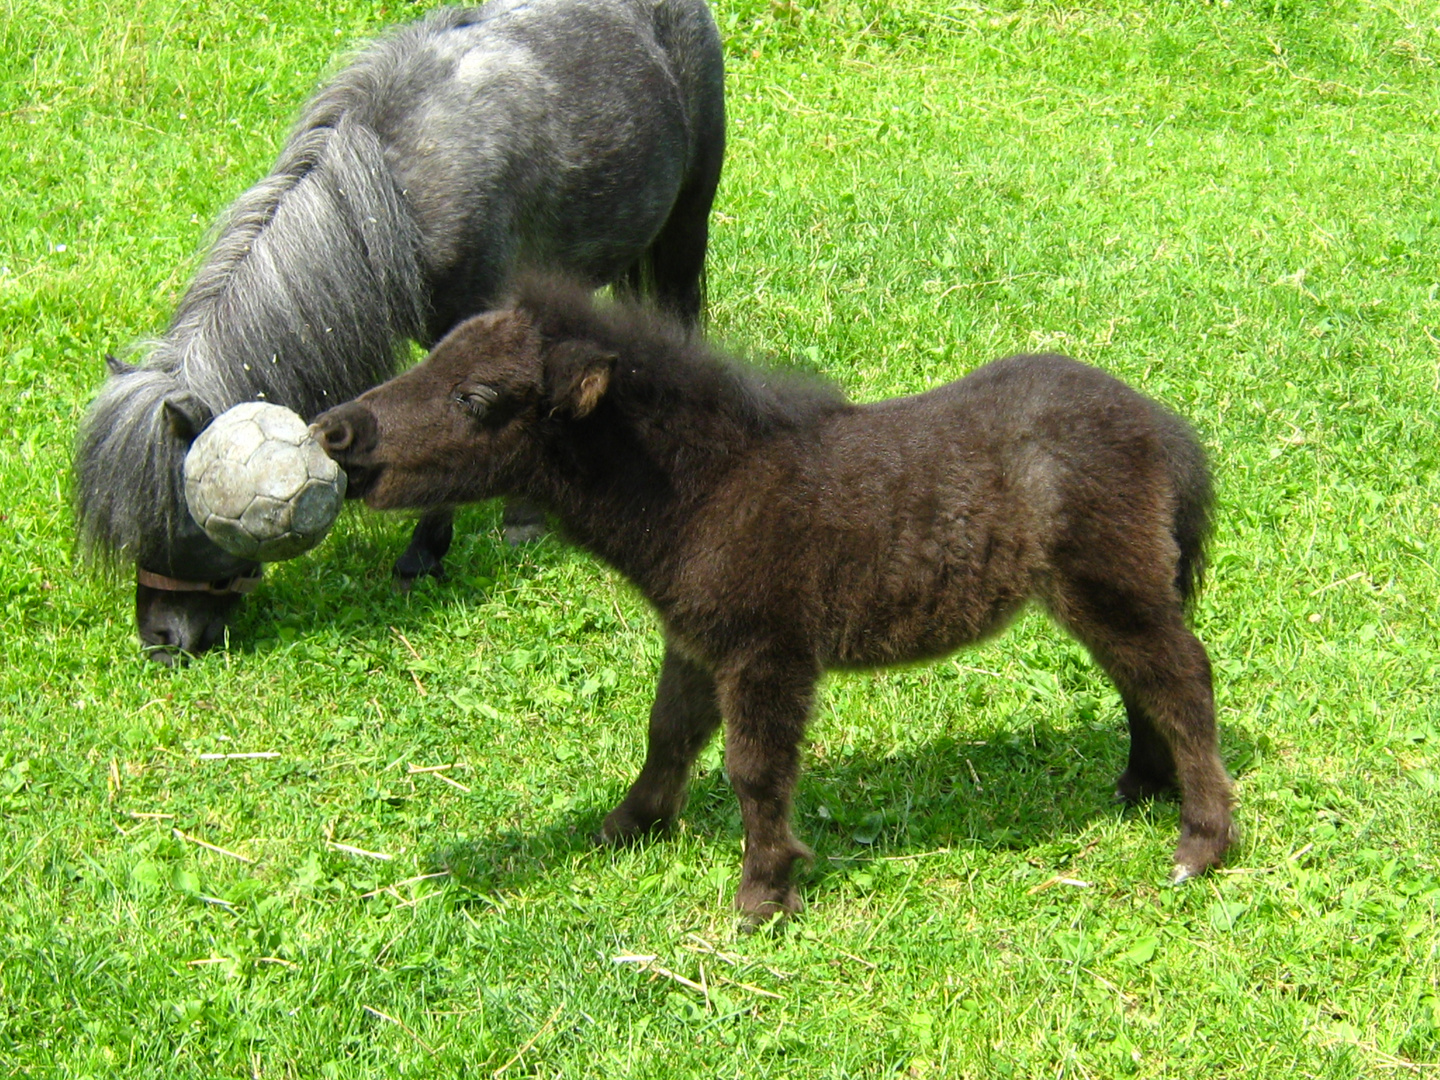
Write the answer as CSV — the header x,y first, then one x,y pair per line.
x,y
311,287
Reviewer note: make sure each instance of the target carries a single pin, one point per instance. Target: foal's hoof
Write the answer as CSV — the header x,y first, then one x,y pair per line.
x,y
622,829
767,909
1183,873
605,838
1135,788
1201,850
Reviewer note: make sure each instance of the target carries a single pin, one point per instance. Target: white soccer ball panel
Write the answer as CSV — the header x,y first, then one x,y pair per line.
x,y
285,547
266,518
215,494
234,442
276,470
231,535
282,425
246,410
321,466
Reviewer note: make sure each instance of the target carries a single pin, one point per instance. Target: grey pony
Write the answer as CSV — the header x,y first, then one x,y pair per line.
x,y
584,135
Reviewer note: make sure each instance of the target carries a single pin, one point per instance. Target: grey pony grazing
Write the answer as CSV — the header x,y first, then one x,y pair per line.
x,y
583,135
779,531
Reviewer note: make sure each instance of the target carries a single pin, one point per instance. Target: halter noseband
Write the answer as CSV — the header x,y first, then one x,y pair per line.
x,y
240,584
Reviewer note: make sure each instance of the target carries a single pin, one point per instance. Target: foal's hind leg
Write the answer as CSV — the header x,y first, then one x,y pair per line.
x,y
682,720
428,545
1151,769
522,522
1163,674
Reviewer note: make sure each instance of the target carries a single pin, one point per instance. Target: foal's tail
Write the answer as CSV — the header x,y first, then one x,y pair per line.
x,y
1194,501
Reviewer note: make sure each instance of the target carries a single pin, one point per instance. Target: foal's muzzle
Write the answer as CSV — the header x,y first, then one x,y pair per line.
x,y
348,433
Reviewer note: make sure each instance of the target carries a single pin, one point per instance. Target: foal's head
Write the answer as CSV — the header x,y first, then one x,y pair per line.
x,y
471,421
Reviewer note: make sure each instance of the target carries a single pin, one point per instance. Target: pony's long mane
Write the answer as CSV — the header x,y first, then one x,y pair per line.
x,y
311,288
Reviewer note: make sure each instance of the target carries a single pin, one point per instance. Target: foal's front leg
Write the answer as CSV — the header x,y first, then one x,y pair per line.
x,y
682,720
766,703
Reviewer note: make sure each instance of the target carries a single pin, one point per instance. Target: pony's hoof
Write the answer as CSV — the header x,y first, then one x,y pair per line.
x,y
408,571
525,533
522,522
404,578
404,584
167,655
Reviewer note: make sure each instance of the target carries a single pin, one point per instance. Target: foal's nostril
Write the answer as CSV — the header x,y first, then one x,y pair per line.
x,y
346,430
335,435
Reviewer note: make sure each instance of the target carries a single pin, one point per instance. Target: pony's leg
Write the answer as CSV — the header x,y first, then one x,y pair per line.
x,y
678,261
1163,674
766,703
682,720
428,545
677,254
1150,772
522,522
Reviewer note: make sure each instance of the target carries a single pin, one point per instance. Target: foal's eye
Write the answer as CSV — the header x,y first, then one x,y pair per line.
x,y
477,401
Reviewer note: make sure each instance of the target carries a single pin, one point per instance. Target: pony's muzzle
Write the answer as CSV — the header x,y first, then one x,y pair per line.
x,y
175,625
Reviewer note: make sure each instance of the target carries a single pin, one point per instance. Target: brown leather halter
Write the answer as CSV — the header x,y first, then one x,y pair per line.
x,y
240,584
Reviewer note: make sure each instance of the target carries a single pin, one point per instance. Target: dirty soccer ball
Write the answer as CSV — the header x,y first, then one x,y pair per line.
x,y
259,485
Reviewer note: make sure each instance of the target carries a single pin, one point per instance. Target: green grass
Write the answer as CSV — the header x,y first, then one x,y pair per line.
x,y
1235,206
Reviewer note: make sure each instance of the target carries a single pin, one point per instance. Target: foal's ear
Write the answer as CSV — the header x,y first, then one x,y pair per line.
x,y
580,376
117,366
187,415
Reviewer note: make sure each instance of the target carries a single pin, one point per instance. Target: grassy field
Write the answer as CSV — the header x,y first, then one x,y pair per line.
x,y
1235,206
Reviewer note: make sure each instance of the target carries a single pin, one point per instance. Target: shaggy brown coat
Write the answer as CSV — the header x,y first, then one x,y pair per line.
x,y
779,530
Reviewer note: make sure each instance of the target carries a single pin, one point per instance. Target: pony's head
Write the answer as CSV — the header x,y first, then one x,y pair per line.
x,y
130,504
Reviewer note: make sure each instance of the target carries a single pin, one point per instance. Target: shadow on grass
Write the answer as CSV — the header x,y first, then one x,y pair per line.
x,y
351,586
1037,791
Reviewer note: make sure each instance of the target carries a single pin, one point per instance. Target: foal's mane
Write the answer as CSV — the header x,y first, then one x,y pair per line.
x,y
311,287
667,374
